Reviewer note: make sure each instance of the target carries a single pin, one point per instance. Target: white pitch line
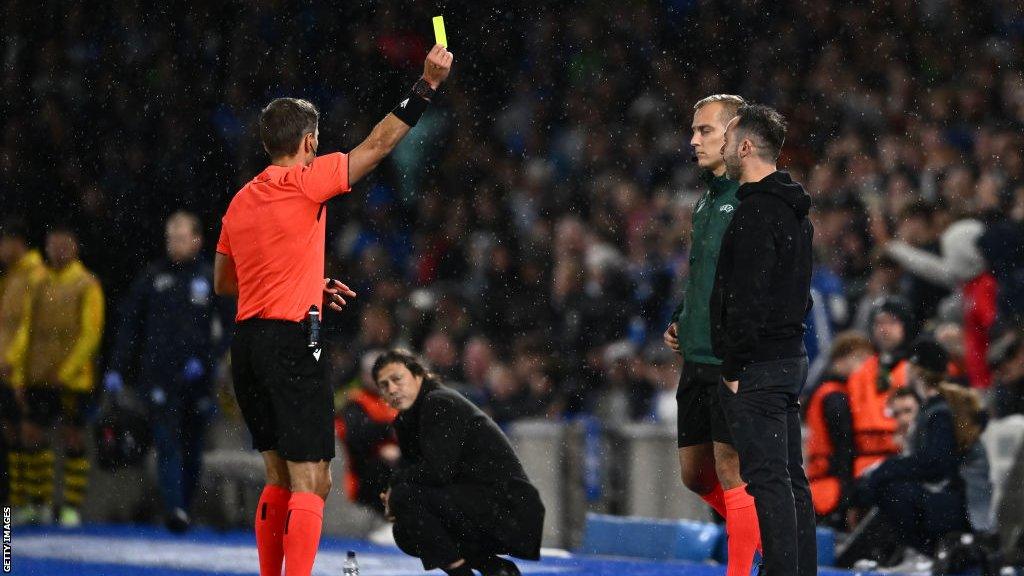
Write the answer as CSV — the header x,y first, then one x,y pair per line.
x,y
217,558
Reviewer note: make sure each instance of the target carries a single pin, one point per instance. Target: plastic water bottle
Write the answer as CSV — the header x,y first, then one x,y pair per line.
x,y
351,567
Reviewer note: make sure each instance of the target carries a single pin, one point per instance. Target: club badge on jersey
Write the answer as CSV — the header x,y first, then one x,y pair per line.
x,y
200,291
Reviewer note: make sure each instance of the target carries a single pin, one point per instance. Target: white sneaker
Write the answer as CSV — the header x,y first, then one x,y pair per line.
x,y
914,564
865,565
45,514
69,517
26,515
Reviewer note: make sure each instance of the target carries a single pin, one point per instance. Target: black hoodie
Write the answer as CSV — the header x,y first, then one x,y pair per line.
x,y
762,283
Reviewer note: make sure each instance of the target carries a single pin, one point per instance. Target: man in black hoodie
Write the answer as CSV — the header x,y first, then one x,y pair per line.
x,y
760,298
459,496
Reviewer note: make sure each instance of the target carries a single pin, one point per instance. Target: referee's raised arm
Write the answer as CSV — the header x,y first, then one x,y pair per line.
x,y
389,131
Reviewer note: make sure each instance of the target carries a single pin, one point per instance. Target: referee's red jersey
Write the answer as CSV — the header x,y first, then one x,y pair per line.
x,y
274,231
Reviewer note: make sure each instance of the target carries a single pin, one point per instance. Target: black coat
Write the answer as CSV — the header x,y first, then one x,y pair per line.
x,y
763,279
446,440
166,319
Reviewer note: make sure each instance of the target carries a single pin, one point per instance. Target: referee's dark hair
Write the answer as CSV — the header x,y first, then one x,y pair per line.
x,y
407,359
766,125
284,122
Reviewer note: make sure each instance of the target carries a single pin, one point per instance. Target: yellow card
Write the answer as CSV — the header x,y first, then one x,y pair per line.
x,y
439,36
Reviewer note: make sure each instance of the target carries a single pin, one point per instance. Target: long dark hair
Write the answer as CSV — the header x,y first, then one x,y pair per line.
x,y
407,359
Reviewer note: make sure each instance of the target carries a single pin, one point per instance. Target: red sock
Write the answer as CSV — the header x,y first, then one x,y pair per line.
x,y
302,532
270,514
716,499
743,531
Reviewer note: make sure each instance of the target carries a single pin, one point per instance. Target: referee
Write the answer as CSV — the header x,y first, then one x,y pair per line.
x,y
271,256
708,462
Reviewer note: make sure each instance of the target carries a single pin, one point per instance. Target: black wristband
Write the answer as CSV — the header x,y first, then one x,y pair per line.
x,y
415,103
422,89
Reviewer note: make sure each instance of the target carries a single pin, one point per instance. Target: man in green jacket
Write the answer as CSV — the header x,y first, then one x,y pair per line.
x,y
709,463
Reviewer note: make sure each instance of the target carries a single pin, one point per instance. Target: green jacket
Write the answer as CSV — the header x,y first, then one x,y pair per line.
x,y
711,217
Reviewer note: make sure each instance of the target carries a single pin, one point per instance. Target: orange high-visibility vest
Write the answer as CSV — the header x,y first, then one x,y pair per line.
x,y
826,489
377,410
873,428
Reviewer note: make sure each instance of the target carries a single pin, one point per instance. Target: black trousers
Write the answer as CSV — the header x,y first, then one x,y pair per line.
x,y
440,525
920,517
764,419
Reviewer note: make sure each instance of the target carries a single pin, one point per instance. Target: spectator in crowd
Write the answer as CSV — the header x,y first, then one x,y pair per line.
x,y
970,419
904,404
1007,360
62,333
915,228
829,445
628,392
950,335
921,494
961,267
23,272
442,354
173,330
541,399
504,395
364,429
1002,245
829,310
883,281
478,357
870,385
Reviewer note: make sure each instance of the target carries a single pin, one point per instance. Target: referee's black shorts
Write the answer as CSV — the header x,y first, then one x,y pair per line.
x,y
287,403
701,418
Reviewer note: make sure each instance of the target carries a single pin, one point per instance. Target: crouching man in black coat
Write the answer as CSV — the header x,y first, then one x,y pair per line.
x,y
460,496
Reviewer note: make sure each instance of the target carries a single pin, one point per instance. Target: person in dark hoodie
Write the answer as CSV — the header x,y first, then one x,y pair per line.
x,y
459,496
921,494
760,298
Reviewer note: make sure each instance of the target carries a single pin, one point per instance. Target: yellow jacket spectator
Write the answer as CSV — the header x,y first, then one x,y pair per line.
x,y
63,329
55,349
23,271
19,283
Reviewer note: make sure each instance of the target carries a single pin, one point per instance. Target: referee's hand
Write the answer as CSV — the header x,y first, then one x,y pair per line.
x,y
437,65
333,290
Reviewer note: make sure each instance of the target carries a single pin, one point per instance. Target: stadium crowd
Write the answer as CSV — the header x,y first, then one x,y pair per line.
x,y
537,258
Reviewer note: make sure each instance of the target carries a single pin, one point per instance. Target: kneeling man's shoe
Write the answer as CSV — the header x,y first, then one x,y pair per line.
x,y
495,566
